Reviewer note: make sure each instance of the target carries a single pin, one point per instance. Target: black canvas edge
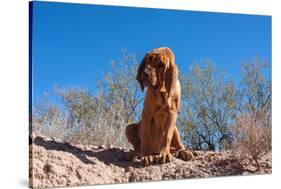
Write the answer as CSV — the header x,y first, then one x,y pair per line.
x,y
30,33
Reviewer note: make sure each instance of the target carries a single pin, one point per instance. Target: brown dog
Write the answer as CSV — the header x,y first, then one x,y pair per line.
x,y
156,136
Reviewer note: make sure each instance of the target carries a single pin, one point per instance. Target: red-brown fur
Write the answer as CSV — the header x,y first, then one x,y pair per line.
x,y
156,137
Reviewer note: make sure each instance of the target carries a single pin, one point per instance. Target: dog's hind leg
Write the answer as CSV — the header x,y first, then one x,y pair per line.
x,y
178,148
132,136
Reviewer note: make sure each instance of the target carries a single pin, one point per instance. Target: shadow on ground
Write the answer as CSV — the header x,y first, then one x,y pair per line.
x,y
109,156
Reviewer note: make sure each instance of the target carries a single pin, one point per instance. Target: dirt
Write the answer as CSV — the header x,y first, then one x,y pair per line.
x,y
55,164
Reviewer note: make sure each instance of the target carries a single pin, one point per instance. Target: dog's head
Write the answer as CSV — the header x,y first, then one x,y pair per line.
x,y
158,70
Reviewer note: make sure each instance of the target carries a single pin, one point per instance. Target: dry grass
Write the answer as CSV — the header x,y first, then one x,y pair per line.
x,y
252,138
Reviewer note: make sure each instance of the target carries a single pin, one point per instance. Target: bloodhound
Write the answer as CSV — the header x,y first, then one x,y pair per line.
x,y
155,138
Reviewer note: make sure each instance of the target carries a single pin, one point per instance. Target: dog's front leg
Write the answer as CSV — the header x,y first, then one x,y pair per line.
x,y
145,137
168,131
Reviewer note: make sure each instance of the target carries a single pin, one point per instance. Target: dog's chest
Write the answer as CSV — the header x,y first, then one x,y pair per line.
x,y
159,120
157,101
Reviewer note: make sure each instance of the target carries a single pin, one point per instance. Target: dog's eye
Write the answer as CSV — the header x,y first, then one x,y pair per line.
x,y
160,64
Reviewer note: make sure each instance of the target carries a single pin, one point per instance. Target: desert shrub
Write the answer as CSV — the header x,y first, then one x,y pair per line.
x,y
49,120
212,102
87,119
96,117
208,105
252,128
252,138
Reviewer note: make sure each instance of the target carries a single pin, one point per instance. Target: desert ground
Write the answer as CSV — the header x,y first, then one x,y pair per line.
x,y
54,163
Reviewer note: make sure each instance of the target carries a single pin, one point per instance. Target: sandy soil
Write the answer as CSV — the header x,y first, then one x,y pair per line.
x,y
62,164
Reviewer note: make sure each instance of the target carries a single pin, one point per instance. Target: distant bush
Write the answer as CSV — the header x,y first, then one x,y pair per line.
x,y
252,138
252,127
208,105
97,118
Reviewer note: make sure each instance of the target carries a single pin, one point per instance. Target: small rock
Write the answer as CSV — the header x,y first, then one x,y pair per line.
x,y
179,171
133,177
33,135
129,169
101,147
267,165
245,173
93,147
48,168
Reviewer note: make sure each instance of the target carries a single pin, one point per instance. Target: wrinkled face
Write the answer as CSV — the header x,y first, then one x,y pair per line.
x,y
158,70
153,70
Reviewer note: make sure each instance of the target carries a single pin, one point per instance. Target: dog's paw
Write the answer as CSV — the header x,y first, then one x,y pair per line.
x,y
148,160
185,155
164,157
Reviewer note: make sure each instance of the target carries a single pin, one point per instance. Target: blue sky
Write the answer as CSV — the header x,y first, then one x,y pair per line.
x,y
74,44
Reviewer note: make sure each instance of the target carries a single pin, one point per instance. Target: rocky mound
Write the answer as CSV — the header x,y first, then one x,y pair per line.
x,y
54,164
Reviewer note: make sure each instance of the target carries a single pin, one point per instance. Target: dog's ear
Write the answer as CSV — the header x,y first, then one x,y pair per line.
x,y
171,76
164,60
140,70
